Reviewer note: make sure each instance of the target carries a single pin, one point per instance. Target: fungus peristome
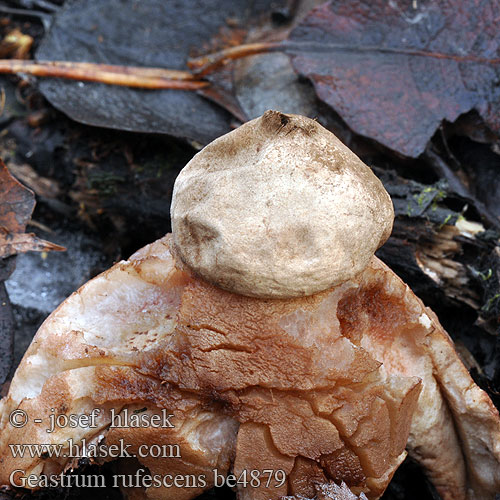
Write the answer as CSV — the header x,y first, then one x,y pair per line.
x,y
322,387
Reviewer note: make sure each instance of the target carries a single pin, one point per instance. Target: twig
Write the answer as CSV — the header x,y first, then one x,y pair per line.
x,y
129,76
159,78
204,65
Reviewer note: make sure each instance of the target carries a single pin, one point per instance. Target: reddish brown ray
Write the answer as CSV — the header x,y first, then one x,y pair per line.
x,y
301,379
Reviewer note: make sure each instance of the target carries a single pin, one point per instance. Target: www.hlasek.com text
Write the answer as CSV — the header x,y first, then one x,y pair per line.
x,y
82,449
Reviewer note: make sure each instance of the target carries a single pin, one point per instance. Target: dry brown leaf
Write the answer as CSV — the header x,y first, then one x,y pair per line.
x,y
42,186
16,206
14,243
16,202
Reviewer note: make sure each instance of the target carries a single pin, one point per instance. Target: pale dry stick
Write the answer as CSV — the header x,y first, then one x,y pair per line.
x,y
129,76
204,65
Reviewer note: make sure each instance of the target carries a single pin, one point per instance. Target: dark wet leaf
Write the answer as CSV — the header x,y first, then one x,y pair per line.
x,y
268,81
151,33
395,70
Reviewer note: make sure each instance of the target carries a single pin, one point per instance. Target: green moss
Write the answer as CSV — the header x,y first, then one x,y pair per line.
x,y
487,276
490,303
105,182
446,220
157,166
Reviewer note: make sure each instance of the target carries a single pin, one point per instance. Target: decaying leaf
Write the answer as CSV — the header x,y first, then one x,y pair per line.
x,y
16,202
14,243
148,33
395,70
16,205
393,73
42,186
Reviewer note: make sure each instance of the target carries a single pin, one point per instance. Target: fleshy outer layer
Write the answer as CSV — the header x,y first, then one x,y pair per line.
x,y
278,208
252,383
293,385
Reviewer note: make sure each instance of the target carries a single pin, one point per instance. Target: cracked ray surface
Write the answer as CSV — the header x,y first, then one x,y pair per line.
x,y
322,387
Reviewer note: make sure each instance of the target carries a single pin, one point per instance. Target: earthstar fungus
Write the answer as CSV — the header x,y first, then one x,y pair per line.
x,y
277,340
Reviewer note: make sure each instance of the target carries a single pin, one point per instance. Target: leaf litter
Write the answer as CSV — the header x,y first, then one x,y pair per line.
x,y
149,33
16,205
393,73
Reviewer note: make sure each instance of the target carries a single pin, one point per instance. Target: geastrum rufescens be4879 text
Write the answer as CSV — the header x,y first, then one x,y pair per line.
x,y
269,332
